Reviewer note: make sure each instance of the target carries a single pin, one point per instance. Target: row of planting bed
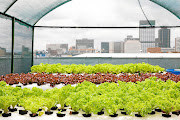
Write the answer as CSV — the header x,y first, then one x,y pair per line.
x,y
102,68
136,99
54,79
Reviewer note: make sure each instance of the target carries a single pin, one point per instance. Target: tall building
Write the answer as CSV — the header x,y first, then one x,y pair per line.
x,y
130,37
132,46
164,38
57,49
177,44
116,47
84,43
104,47
85,46
147,35
119,47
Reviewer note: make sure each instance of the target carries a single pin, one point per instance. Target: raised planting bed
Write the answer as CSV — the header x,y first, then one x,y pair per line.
x,y
87,99
56,79
102,68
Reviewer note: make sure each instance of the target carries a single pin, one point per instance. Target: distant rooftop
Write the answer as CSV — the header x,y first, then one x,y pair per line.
x,y
131,55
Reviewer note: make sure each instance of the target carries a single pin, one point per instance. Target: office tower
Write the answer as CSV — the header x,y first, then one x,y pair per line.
x,y
57,49
147,35
104,47
164,38
177,44
119,47
85,46
132,46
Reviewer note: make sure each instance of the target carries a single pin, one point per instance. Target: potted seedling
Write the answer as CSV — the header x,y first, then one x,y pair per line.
x,y
49,103
59,114
33,105
5,102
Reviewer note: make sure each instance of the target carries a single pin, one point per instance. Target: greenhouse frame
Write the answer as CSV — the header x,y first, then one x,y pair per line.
x,y
80,70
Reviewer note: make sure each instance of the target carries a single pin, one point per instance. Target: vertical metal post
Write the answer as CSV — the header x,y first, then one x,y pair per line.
x,y
32,62
12,52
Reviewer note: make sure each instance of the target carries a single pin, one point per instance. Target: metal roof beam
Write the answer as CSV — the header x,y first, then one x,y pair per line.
x,y
10,6
16,19
105,27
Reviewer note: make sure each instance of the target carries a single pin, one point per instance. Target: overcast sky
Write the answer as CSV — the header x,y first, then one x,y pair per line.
x,y
100,13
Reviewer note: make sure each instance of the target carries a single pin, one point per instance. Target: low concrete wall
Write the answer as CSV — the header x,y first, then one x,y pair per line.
x,y
168,63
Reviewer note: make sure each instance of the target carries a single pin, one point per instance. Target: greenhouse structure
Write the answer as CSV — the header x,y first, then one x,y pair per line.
x,y
86,79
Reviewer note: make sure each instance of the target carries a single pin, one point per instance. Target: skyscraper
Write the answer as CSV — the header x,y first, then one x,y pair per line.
x,y
147,35
177,44
85,46
164,38
104,47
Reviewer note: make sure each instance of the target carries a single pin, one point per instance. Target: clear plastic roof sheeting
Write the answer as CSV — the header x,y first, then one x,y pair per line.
x,y
31,11
172,5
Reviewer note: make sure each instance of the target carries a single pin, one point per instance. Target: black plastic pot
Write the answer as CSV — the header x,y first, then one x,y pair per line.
x,y
124,113
115,115
18,86
137,115
32,115
100,113
175,112
60,115
158,110
24,84
73,113
122,109
0,112
48,112
6,115
86,115
39,110
18,105
62,110
54,108
12,110
152,113
23,112
165,115
65,106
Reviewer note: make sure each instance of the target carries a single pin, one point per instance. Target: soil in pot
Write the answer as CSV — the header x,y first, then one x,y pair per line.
x,y
176,112
6,114
62,110
48,112
60,115
86,115
73,113
23,112
166,115
152,113
158,110
124,113
115,115
33,115
65,106
138,115
39,110
12,109
100,113
18,86
54,108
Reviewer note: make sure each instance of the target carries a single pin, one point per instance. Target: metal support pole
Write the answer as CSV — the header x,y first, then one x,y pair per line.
x,y
32,62
12,52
